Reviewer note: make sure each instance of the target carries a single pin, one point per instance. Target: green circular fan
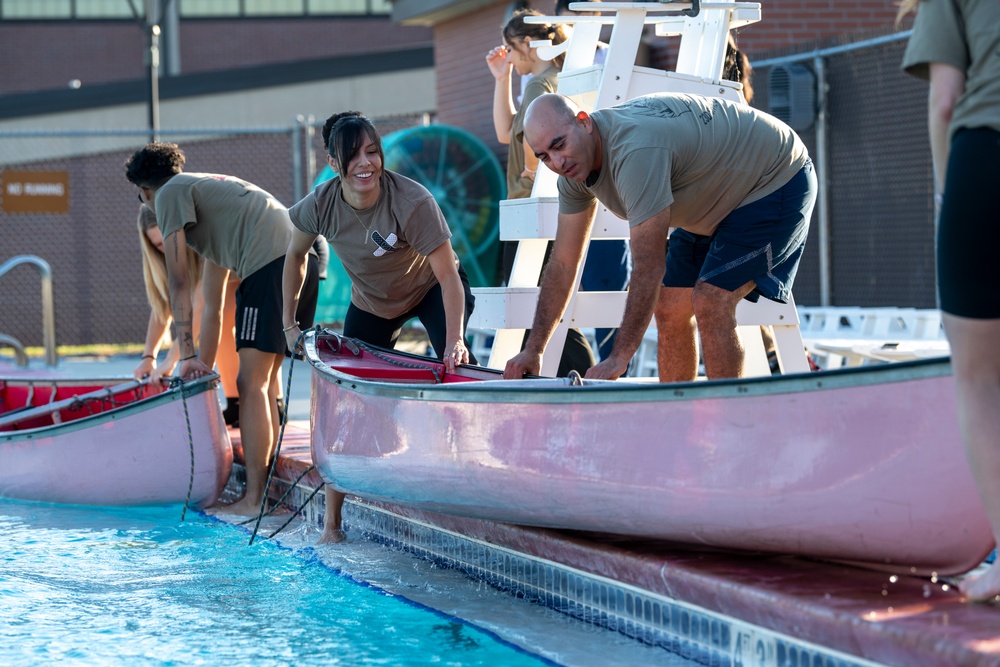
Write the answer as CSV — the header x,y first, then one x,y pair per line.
x,y
465,179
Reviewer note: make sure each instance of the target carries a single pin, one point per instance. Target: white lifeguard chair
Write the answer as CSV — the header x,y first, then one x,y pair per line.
x,y
704,30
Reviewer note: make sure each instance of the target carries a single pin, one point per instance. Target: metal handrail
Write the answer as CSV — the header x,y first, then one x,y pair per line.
x,y
48,303
20,356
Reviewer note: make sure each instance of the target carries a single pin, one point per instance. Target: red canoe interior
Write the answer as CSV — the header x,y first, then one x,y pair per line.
x,y
389,367
36,404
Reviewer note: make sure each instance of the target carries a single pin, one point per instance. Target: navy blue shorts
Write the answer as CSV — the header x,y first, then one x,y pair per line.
x,y
968,233
761,241
258,306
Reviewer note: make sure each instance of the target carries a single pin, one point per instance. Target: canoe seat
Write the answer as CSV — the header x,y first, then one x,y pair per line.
x,y
73,407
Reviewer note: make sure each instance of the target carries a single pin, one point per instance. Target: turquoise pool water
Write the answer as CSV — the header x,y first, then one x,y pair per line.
x,y
103,586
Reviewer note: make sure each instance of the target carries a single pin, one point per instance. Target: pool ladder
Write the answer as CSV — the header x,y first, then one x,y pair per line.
x,y
48,311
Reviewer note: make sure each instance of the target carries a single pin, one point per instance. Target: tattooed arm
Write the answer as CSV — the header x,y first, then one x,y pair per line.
x,y
175,252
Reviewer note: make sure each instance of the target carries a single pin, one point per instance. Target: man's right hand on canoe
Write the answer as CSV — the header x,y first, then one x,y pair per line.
x,y
525,363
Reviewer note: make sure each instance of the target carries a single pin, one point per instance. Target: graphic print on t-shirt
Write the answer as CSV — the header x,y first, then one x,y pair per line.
x,y
660,109
384,244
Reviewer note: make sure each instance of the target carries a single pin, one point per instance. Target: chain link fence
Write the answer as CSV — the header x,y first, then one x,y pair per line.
x,y
93,249
879,242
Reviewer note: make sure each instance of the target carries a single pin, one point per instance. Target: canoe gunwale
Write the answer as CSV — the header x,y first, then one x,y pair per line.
x,y
523,391
184,391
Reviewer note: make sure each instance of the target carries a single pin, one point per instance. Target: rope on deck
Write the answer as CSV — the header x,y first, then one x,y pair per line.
x,y
277,445
284,420
280,500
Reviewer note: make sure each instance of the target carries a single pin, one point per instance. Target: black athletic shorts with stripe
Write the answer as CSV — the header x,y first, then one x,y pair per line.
x,y
258,306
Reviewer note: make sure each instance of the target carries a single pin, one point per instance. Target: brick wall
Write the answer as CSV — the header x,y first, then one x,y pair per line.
x,y
464,83
215,45
50,54
787,23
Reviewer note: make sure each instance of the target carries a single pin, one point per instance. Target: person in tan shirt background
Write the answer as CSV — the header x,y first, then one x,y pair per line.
x,y
517,55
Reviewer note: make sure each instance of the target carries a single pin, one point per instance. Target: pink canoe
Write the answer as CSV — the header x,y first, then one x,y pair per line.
x,y
113,442
861,465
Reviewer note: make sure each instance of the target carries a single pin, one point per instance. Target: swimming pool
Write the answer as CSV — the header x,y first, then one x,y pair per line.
x,y
99,586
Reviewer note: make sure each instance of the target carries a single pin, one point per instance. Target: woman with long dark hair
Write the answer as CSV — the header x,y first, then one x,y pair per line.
x,y
395,245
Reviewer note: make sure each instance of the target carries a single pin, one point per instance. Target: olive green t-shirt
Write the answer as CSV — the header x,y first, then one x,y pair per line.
x,y
384,248
964,34
703,157
225,219
518,187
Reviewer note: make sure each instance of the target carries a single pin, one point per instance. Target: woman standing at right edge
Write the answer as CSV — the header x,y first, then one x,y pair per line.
x,y
956,46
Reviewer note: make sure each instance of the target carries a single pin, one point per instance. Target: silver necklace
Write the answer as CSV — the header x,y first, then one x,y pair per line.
x,y
368,228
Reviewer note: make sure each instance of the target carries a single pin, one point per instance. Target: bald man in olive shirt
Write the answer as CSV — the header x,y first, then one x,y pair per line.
x,y
735,183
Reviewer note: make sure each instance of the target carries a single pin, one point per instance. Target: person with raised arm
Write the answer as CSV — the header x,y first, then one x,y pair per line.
x,y
517,55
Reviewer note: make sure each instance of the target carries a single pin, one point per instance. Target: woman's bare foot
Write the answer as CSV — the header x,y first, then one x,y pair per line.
x,y
332,536
984,587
